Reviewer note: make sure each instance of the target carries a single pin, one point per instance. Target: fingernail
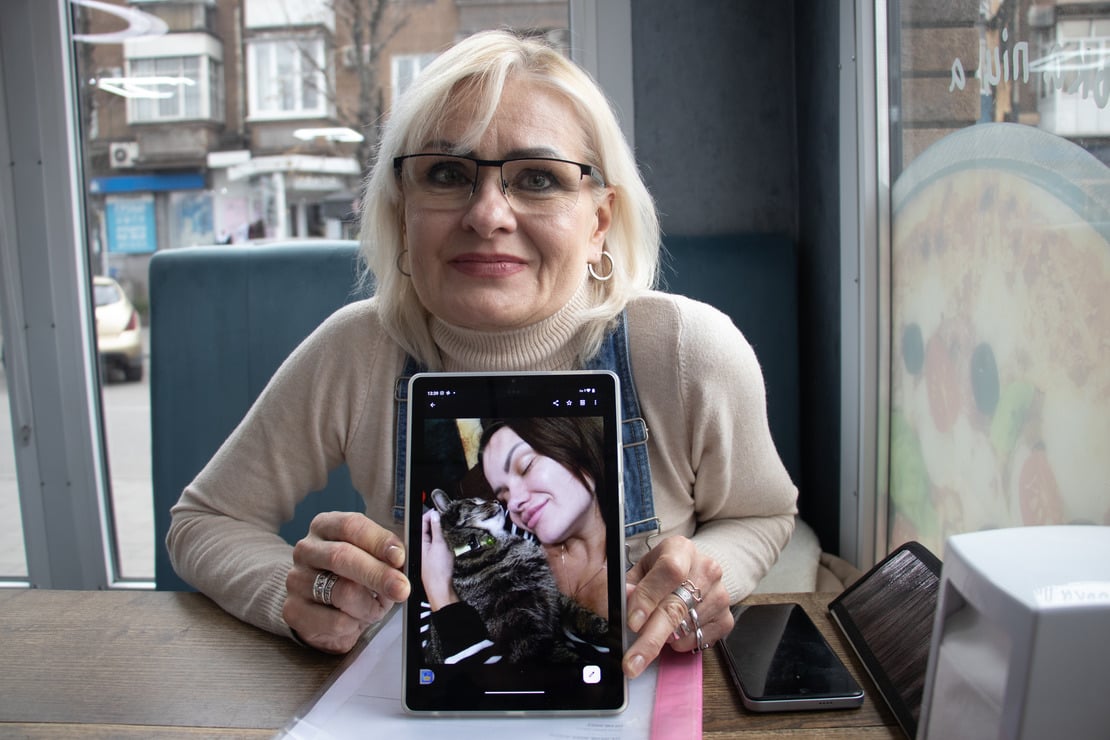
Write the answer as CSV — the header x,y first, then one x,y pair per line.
x,y
636,620
398,591
635,666
395,555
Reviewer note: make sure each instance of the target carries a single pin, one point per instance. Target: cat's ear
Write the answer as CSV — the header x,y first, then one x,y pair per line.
x,y
441,500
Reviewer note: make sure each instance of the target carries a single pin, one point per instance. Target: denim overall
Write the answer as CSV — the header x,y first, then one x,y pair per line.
x,y
639,506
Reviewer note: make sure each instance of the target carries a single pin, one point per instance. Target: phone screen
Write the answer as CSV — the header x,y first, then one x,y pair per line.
x,y
781,661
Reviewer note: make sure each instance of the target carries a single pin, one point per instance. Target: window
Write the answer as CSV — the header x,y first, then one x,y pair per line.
x,y
405,69
1069,70
56,483
180,88
186,16
997,318
287,78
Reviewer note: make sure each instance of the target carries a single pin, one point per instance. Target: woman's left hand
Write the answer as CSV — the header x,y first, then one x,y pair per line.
x,y
437,563
658,614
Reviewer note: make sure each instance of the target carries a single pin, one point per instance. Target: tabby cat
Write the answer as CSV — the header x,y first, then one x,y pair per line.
x,y
507,580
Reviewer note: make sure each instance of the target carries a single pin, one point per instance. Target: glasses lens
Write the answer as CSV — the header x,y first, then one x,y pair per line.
x,y
542,185
446,182
439,180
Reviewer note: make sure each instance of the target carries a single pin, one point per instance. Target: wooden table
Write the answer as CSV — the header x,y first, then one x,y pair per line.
x,y
127,664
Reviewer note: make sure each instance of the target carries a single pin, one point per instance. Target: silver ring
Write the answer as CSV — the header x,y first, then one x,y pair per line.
x,y
328,587
322,586
694,590
695,619
701,644
686,596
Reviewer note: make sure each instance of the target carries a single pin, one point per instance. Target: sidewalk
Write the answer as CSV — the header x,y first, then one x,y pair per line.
x,y
127,432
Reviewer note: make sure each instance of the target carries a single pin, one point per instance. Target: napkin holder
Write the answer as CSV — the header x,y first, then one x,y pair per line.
x,y
1021,637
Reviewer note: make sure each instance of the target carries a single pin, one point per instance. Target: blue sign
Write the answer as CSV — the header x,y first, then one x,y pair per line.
x,y
131,224
147,183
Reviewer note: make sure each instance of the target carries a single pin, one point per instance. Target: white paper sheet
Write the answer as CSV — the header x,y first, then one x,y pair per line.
x,y
365,700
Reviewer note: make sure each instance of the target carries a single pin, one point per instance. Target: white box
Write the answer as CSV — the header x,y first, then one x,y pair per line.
x,y
1021,637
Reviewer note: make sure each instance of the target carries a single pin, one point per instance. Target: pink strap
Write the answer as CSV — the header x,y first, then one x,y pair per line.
x,y
677,713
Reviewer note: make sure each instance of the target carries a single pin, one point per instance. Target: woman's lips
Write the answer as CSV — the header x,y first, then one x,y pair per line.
x,y
488,265
532,516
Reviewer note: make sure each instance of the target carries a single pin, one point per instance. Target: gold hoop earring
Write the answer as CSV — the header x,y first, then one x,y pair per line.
x,y
401,256
606,276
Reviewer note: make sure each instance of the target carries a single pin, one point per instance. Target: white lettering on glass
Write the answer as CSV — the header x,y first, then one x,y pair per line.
x,y
995,65
1073,67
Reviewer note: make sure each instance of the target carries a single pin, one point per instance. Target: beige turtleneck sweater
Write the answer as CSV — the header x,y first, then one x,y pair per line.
x,y
716,476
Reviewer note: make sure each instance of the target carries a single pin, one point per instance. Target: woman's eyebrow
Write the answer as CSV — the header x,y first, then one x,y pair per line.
x,y
450,147
509,456
535,151
440,145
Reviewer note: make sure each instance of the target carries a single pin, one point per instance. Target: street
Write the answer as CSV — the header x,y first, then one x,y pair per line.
x,y
127,428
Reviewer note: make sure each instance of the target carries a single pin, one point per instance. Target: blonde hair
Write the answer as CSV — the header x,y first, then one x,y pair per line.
x,y
476,70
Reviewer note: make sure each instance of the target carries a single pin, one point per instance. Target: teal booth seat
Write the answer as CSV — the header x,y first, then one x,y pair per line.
x,y
754,279
223,318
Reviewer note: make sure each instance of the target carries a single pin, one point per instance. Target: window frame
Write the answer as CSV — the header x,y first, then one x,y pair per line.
x,y
256,90
864,153
47,314
398,83
208,79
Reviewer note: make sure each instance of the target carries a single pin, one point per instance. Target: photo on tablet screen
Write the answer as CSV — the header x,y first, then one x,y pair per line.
x,y
515,544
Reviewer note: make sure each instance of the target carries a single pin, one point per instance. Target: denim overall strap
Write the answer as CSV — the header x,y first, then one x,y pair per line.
x,y
401,423
639,504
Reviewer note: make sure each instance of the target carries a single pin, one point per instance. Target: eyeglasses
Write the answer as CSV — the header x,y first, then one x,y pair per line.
x,y
446,182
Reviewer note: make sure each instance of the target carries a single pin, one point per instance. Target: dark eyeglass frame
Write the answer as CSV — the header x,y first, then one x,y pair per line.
x,y
588,170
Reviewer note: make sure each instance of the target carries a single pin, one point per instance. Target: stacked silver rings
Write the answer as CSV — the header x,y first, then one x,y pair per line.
x,y
322,586
690,596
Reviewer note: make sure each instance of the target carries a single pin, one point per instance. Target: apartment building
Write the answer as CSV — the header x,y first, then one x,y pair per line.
x,y
250,119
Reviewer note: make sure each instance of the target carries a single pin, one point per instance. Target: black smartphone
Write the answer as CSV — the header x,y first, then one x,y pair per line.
x,y
781,662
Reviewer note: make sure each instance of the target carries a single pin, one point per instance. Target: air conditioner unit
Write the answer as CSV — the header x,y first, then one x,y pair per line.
x,y
123,153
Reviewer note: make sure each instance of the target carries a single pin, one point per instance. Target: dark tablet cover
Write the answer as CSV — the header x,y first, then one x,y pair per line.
x,y
887,618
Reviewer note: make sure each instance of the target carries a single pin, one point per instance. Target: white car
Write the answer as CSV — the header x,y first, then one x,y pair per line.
x,y
119,338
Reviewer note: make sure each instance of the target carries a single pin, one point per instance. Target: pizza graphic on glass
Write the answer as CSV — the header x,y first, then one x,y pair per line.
x,y
999,336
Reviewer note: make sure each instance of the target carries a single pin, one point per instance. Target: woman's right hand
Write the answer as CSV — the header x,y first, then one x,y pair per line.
x,y
366,557
437,563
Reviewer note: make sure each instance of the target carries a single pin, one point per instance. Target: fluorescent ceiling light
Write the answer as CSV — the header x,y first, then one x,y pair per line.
x,y
138,24
141,87
338,133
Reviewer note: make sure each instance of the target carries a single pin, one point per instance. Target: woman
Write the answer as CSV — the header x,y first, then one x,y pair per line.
x,y
506,228
546,472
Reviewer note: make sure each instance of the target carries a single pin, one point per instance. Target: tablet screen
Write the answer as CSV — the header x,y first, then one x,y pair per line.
x,y
515,544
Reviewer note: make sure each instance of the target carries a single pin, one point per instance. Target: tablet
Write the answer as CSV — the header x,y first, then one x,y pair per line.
x,y
887,618
518,595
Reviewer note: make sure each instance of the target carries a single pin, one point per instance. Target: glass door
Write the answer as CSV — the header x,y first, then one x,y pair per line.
x,y
197,122
230,122
13,557
998,323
